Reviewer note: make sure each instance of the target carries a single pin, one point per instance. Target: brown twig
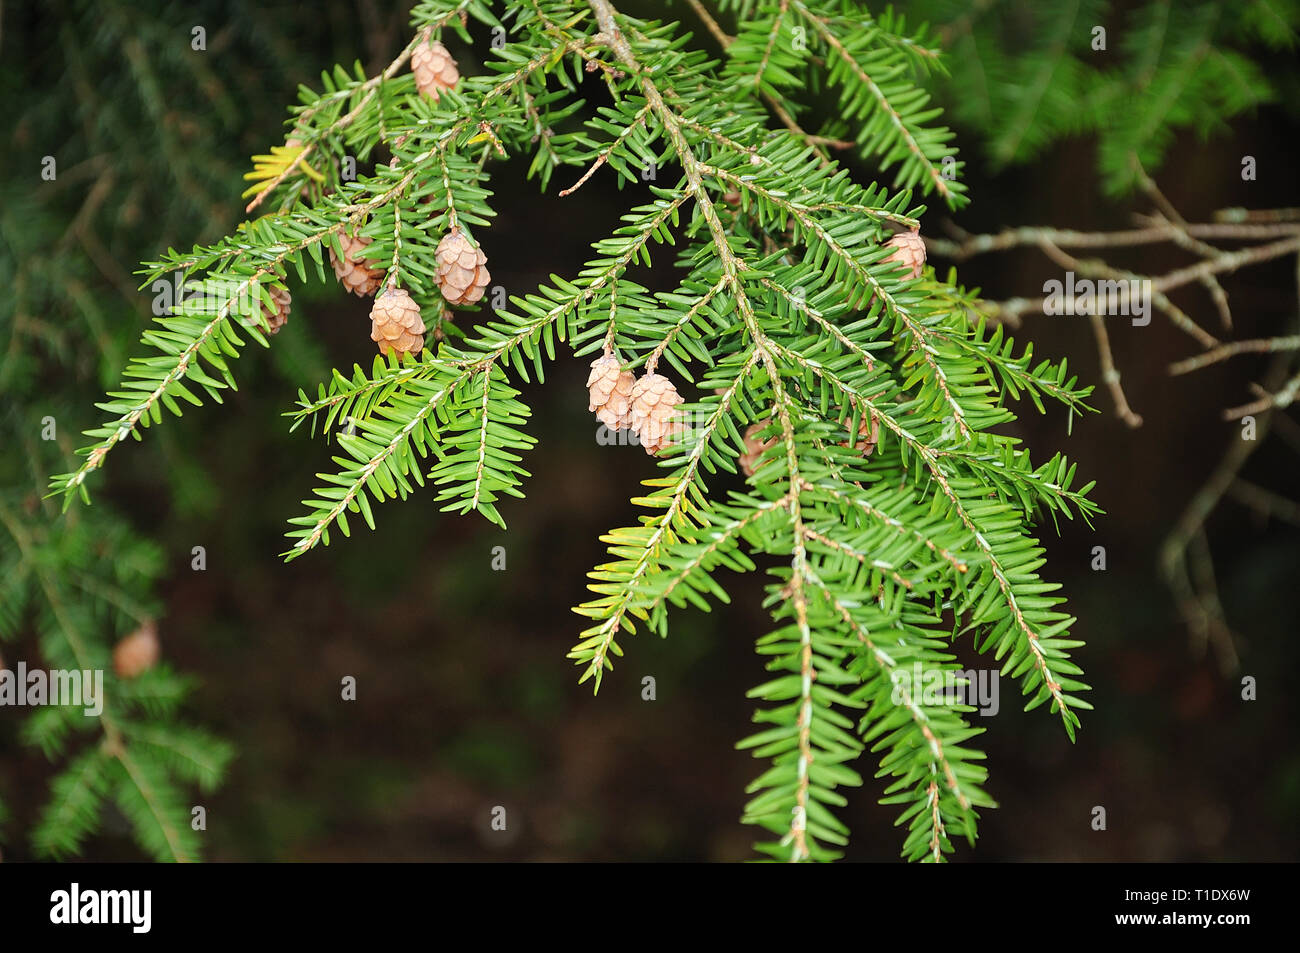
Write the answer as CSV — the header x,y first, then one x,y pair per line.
x,y
1197,608
1263,501
1236,215
710,23
1012,309
1110,374
1184,240
605,153
1212,626
937,180
967,245
1278,400
1232,349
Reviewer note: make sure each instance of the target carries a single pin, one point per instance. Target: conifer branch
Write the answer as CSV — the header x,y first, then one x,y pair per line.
x,y
369,89
81,786
857,397
895,117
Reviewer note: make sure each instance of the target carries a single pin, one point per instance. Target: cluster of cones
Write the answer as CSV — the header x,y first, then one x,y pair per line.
x,y
395,320
396,324
643,405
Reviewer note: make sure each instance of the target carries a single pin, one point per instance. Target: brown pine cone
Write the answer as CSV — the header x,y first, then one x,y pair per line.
x,y
136,653
610,392
462,269
910,251
653,400
755,446
358,275
395,323
275,319
434,69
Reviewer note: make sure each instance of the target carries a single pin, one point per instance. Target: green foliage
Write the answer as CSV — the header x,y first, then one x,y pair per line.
x,y
77,583
1027,75
874,65
786,316
111,92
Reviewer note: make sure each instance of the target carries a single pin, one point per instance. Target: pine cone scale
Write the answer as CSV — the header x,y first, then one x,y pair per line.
x,y
434,69
462,269
610,392
276,317
654,402
909,251
396,324
359,275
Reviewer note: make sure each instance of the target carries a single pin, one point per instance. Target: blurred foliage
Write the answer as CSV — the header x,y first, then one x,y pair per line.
x,y
1126,77
133,139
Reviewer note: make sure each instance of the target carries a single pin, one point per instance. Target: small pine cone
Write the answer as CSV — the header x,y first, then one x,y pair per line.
x,y
137,653
653,400
356,273
610,392
755,447
434,69
275,319
462,269
395,323
910,251
868,435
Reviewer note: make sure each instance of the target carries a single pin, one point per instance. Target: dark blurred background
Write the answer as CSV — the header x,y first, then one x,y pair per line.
x,y
465,698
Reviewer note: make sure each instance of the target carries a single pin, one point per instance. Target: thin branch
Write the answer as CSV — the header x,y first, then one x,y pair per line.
x,y
482,434
1242,215
1278,400
710,23
818,143
605,153
1012,310
777,21
1263,501
372,88
763,349
1174,551
1232,349
1110,375
862,558
1184,240
967,245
